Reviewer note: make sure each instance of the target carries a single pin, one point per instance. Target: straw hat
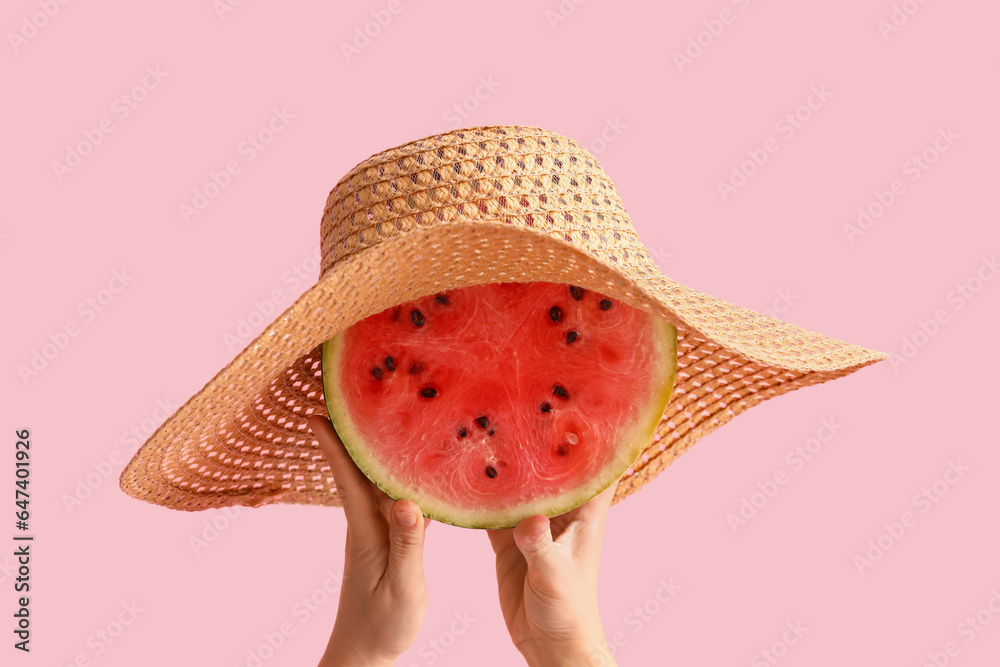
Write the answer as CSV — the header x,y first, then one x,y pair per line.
x,y
470,206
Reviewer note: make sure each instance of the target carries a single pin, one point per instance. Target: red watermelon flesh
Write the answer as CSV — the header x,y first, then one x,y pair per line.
x,y
491,403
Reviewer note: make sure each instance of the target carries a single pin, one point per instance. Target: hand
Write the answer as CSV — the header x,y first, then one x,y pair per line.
x,y
383,599
548,588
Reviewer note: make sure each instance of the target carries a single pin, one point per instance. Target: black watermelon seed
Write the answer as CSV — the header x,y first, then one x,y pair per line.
x,y
555,312
377,372
491,432
562,450
571,337
606,304
482,421
417,317
442,299
428,392
416,367
463,432
390,364
545,407
577,292
560,391
491,472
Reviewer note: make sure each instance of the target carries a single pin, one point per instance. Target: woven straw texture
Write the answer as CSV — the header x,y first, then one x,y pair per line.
x,y
471,206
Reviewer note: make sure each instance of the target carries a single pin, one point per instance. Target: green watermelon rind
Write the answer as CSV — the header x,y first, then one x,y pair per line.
x,y
641,434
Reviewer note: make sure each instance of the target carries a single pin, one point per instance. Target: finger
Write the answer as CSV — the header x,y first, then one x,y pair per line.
x,y
405,568
533,538
590,521
384,502
354,488
596,508
501,539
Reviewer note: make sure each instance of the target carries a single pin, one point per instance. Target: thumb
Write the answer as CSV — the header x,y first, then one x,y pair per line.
x,y
405,567
533,538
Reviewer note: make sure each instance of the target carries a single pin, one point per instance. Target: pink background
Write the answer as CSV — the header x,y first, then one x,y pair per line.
x,y
667,134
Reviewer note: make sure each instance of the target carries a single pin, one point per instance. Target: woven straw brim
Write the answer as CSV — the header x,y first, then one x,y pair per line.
x,y
472,206
243,440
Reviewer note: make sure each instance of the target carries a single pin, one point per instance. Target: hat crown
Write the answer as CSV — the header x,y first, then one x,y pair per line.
x,y
522,176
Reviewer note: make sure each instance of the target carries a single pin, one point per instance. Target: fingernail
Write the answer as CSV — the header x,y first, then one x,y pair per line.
x,y
406,519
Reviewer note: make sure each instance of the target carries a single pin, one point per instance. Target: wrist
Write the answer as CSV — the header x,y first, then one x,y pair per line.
x,y
353,660
341,654
588,652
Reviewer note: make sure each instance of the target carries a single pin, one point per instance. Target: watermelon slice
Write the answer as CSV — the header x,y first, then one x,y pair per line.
x,y
491,403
